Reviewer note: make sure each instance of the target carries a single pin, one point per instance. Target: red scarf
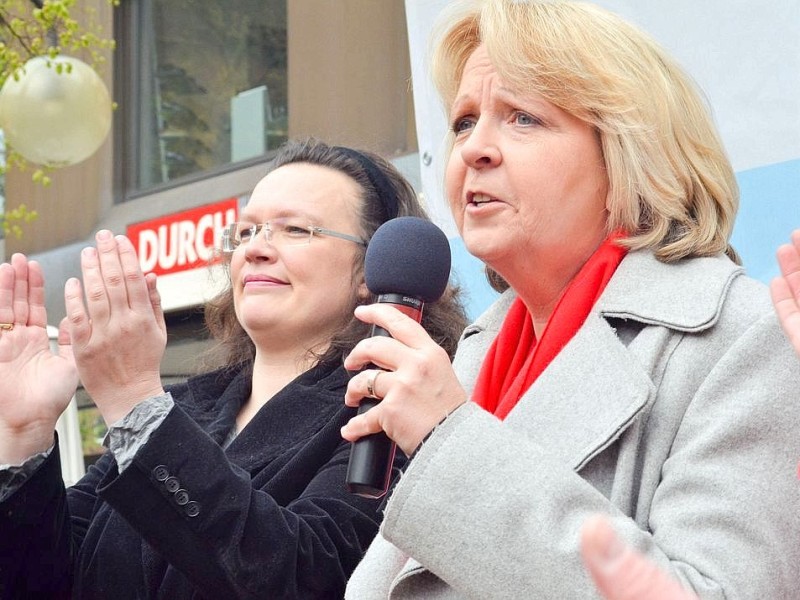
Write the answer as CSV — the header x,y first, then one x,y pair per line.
x,y
515,359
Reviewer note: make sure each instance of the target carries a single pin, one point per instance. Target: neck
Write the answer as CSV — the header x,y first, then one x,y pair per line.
x,y
271,373
540,284
539,294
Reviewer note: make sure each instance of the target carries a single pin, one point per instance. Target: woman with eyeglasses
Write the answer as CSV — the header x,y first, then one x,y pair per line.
x,y
231,485
629,368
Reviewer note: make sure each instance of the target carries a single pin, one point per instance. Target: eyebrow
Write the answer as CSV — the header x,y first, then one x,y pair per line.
x,y
508,96
282,214
503,90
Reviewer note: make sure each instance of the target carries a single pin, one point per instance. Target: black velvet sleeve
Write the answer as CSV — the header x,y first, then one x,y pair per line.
x,y
36,549
292,532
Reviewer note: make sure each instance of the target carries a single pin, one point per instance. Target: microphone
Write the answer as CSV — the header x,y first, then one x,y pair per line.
x,y
407,264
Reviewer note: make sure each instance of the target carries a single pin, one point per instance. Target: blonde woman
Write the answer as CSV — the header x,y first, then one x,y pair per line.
x,y
629,368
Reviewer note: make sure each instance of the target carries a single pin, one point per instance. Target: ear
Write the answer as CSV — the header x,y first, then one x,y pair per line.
x,y
363,291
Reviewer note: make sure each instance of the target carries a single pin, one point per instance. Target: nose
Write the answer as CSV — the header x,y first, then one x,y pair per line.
x,y
260,246
480,149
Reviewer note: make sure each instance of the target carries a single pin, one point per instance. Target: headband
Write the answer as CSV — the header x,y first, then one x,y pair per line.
x,y
386,191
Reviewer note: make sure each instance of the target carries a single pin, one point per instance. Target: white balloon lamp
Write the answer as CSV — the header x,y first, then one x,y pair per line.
x,y
55,119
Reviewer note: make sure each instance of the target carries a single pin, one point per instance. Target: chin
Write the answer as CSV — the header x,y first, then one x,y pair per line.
x,y
483,247
254,324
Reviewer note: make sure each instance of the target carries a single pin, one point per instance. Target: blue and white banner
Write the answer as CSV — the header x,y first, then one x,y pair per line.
x,y
746,58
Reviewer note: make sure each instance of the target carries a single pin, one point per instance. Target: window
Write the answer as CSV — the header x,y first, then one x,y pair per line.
x,y
202,84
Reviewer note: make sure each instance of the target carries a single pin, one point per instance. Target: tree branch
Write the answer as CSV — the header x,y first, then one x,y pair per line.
x,y
5,24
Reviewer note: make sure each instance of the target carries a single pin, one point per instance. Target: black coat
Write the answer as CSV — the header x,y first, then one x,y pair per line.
x,y
267,517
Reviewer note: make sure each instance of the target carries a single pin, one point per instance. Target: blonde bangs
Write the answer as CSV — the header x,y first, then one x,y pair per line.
x,y
455,40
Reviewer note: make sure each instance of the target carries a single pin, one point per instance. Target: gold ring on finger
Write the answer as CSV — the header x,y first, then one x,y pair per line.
x,y
371,384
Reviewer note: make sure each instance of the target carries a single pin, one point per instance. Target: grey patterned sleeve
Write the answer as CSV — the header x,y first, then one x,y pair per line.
x,y
131,432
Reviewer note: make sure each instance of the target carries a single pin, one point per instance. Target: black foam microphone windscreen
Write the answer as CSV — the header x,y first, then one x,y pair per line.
x,y
407,264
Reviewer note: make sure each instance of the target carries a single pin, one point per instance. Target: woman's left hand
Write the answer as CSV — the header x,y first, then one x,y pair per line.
x,y
417,388
119,336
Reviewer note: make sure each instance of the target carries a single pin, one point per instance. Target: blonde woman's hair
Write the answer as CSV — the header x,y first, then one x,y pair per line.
x,y
671,185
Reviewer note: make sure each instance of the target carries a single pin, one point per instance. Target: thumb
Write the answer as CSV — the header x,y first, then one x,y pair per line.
x,y
65,341
620,572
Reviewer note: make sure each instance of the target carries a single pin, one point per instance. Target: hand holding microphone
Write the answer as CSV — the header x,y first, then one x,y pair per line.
x,y
407,384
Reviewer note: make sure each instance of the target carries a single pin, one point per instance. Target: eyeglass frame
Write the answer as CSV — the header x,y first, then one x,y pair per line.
x,y
228,233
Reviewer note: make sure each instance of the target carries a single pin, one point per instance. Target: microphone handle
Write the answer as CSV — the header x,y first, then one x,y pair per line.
x,y
369,470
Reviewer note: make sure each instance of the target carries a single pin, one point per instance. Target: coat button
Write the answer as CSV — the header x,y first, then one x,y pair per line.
x,y
172,484
161,473
182,497
192,509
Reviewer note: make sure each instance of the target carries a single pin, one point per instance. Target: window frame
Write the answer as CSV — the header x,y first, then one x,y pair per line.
x,y
129,69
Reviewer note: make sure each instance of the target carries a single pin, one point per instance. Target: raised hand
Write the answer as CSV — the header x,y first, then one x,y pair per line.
x,y
786,290
119,335
418,388
36,385
620,572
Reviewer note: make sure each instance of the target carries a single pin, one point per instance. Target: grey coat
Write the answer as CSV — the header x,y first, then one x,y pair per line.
x,y
675,409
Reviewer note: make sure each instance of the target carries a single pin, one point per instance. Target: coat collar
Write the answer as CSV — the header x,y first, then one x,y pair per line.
x,y
598,383
295,413
685,296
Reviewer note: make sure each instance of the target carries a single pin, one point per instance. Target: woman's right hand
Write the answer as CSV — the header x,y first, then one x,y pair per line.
x,y
36,385
418,387
786,290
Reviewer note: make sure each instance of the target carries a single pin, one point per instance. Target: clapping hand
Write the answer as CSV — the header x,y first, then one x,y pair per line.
x,y
786,290
119,334
36,385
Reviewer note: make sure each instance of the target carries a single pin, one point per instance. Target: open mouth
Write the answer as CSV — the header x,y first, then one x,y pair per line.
x,y
479,199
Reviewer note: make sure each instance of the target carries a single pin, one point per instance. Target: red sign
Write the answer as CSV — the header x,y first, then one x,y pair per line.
x,y
183,241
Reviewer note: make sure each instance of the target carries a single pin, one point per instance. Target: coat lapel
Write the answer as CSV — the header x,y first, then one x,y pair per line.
x,y
582,401
293,415
290,418
586,397
600,381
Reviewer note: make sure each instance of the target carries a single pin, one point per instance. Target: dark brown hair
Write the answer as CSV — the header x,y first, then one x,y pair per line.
x,y
443,320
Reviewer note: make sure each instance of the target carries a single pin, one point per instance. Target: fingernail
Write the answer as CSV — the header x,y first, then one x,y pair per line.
x,y
104,234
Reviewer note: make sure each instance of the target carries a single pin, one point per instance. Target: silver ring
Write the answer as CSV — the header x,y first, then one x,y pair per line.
x,y
371,384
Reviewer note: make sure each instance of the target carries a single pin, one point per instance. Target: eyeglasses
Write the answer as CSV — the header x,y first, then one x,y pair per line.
x,y
279,232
